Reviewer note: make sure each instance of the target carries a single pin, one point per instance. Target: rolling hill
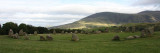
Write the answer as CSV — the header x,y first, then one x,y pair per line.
x,y
104,19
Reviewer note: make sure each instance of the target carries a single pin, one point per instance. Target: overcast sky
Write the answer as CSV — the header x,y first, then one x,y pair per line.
x,y
58,12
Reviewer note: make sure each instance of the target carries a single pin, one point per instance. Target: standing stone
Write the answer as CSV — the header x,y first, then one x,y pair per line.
x,y
42,38
75,37
143,34
76,32
35,33
82,32
26,37
21,32
127,29
54,32
16,36
48,37
24,33
10,33
133,29
116,38
62,32
66,32
106,30
150,31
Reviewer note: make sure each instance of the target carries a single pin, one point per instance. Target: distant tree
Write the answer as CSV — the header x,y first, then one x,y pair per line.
x,y
22,26
31,29
42,30
9,25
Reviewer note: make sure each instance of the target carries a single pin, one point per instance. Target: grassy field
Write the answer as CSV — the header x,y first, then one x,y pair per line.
x,y
89,43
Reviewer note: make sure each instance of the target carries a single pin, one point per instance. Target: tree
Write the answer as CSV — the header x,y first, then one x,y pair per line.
x,y
22,26
42,30
9,25
31,29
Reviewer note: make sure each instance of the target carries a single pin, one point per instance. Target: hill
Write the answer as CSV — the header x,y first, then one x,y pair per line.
x,y
106,19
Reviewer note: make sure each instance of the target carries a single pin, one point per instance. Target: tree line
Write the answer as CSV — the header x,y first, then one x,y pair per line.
x,y
29,29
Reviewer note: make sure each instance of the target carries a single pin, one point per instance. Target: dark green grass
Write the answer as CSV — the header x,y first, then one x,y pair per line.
x,y
89,43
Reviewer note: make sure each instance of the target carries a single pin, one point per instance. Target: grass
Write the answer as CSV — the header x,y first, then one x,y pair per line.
x,y
89,43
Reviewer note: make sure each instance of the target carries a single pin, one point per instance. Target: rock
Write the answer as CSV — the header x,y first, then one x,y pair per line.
x,y
133,29
21,32
30,34
97,32
106,30
16,36
66,32
48,37
82,32
127,29
136,36
35,33
130,37
75,32
42,38
75,37
143,34
24,33
10,33
150,31
62,32
54,32
116,38
26,37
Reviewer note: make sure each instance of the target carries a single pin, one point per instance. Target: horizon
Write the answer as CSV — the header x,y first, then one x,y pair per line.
x,y
48,13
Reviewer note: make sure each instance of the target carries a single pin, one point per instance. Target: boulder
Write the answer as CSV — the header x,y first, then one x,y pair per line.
x,y
48,37
143,34
97,32
127,29
10,33
26,37
75,37
75,32
136,36
106,30
21,33
82,32
130,37
42,38
35,33
116,38
16,36
62,32
54,32
66,32
133,29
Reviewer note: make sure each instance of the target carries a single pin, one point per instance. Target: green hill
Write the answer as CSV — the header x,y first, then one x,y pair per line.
x,y
113,19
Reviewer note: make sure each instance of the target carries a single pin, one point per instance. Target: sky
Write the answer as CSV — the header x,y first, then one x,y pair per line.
x,y
49,13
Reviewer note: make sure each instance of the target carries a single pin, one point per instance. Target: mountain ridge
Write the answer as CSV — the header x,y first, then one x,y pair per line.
x,y
106,19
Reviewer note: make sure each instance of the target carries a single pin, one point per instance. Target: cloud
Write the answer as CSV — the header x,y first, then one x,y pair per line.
x,y
55,12
155,4
148,2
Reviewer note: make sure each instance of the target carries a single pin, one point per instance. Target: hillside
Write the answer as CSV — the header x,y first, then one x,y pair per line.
x,y
113,19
